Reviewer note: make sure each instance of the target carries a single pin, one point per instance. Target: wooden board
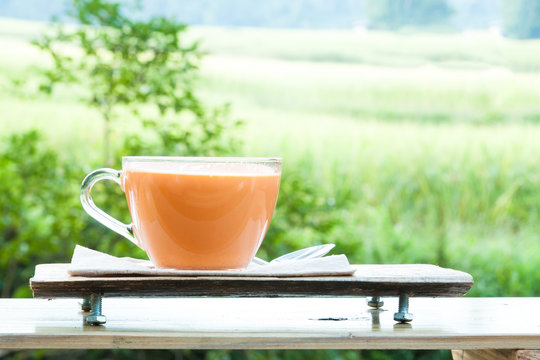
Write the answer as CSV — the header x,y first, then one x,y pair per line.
x,y
491,354
52,280
272,323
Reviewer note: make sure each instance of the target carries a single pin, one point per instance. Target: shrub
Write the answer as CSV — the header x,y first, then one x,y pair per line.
x,y
40,220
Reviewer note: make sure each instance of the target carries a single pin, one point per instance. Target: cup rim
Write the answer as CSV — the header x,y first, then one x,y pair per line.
x,y
204,159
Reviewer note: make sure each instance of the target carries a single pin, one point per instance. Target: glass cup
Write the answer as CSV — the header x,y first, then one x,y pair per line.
x,y
197,213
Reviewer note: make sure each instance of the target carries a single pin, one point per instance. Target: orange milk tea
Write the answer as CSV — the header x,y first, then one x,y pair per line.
x,y
201,215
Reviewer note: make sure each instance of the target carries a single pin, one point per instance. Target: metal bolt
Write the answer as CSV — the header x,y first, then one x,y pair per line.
x,y
86,305
375,319
375,302
96,317
403,315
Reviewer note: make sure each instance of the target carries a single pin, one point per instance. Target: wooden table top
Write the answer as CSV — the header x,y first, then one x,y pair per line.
x,y
272,323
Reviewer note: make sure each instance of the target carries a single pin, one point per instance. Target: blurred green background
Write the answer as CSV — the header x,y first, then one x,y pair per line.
x,y
401,142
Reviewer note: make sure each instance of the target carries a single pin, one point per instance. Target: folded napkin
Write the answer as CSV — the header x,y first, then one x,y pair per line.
x,y
91,263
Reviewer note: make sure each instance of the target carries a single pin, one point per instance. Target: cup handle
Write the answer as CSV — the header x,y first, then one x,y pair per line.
x,y
88,204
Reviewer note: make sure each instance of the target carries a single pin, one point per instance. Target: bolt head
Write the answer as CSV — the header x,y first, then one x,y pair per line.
x,y
403,317
96,319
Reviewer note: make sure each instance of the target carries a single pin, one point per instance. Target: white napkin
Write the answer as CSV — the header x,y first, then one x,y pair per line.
x,y
91,263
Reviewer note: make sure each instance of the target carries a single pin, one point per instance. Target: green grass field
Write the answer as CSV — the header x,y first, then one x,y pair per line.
x,y
405,147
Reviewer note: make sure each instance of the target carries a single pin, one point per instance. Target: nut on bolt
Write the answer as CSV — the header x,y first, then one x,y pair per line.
x,y
375,302
86,304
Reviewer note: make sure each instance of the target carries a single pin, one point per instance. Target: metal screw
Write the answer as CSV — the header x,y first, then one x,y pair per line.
x,y
96,317
375,302
86,305
403,315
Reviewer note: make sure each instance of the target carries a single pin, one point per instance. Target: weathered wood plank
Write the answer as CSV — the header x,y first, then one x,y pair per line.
x,y
272,323
496,354
528,355
52,280
488,354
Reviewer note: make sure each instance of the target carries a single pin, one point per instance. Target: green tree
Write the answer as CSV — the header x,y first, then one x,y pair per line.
x,y
135,68
522,18
395,14
140,75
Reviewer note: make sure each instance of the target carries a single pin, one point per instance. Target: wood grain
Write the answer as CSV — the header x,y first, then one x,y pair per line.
x,y
272,323
492,354
489,354
52,280
528,355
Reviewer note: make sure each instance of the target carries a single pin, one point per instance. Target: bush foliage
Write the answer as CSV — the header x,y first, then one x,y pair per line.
x,y
39,206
